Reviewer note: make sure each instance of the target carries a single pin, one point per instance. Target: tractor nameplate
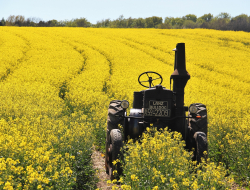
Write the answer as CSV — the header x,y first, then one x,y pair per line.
x,y
157,109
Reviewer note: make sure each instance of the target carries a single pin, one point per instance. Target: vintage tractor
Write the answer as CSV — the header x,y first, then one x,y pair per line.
x,y
158,106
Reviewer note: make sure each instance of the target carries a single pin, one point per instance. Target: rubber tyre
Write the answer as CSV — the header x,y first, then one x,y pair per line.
x,y
198,124
112,123
200,147
197,133
114,109
116,153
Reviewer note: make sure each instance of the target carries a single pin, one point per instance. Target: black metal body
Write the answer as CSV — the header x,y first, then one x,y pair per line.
x,y
160,106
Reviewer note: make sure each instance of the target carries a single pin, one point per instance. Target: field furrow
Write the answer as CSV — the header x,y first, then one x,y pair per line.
x,y
13,53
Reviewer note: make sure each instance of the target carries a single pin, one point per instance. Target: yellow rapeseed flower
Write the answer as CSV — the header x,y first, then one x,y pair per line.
x,y
134,177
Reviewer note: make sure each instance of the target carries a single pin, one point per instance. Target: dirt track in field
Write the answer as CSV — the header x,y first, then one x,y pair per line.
x,y
99,164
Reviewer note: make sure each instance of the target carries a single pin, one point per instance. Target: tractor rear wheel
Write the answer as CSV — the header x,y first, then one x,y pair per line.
x,y
197,132
114,153
114,109
200,147
198,124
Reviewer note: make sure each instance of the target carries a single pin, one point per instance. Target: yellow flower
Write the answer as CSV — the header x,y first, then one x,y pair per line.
x,y
175,186
8,186
134,177
172,180
161,158
114,187
114,172
126,187
163,179
194,185
185,181
121,180
114,162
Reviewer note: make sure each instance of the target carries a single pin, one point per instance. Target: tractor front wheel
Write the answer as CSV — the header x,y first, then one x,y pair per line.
x,y
114,154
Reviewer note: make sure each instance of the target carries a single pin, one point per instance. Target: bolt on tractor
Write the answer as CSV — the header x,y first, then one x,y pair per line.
x,y
158,106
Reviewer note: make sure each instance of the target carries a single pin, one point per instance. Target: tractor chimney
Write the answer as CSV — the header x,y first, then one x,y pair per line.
x,y
180,77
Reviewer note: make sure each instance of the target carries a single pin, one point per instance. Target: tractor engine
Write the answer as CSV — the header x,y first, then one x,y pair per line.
x,y
155,105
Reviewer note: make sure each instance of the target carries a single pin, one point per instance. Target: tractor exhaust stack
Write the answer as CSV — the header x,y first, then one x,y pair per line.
x,y
180,77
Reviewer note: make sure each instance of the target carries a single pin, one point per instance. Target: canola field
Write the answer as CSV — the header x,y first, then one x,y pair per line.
x,y
56,85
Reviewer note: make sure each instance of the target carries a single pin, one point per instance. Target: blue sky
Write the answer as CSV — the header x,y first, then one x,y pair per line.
x,y
96,10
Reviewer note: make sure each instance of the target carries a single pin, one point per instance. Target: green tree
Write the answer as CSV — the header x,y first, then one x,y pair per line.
x,y
207,17
178,22
152,22
240,22
98,24
121,22
129,22
13,20
164,26
2,22
103,23
19,20
82,22
53,23
106,22
189,24
175,22
220,22
224,15
139,23
41,24
30,22
169,20
118,23
70,23
191,17
10,20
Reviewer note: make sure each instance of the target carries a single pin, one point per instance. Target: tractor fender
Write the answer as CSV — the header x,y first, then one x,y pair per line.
x,y
134,129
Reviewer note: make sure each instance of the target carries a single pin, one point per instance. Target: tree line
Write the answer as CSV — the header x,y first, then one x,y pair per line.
x,y
20,20
221,22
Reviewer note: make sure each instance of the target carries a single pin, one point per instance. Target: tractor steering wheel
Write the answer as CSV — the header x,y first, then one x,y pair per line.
x,y
152,76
